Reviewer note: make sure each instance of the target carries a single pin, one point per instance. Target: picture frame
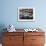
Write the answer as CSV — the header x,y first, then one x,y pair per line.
x,y
26,14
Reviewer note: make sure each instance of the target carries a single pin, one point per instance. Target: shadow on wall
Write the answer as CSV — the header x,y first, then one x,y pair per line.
x,y
2,26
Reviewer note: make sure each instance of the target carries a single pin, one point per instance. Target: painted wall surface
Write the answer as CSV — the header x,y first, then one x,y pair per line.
x,y
8,13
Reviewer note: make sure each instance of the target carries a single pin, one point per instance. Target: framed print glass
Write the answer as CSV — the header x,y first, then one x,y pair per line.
x,y
26,14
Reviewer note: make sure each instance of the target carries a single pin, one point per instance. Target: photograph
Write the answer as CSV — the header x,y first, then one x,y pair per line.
x,y
26,14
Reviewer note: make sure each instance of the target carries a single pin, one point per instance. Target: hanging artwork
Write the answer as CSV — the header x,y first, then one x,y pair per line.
x,y
26,14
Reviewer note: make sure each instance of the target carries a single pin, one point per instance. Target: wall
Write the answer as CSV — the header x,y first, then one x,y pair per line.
x,y
9,13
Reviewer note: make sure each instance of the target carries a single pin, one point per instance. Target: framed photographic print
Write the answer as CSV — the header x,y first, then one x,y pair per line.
x,y
26,14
